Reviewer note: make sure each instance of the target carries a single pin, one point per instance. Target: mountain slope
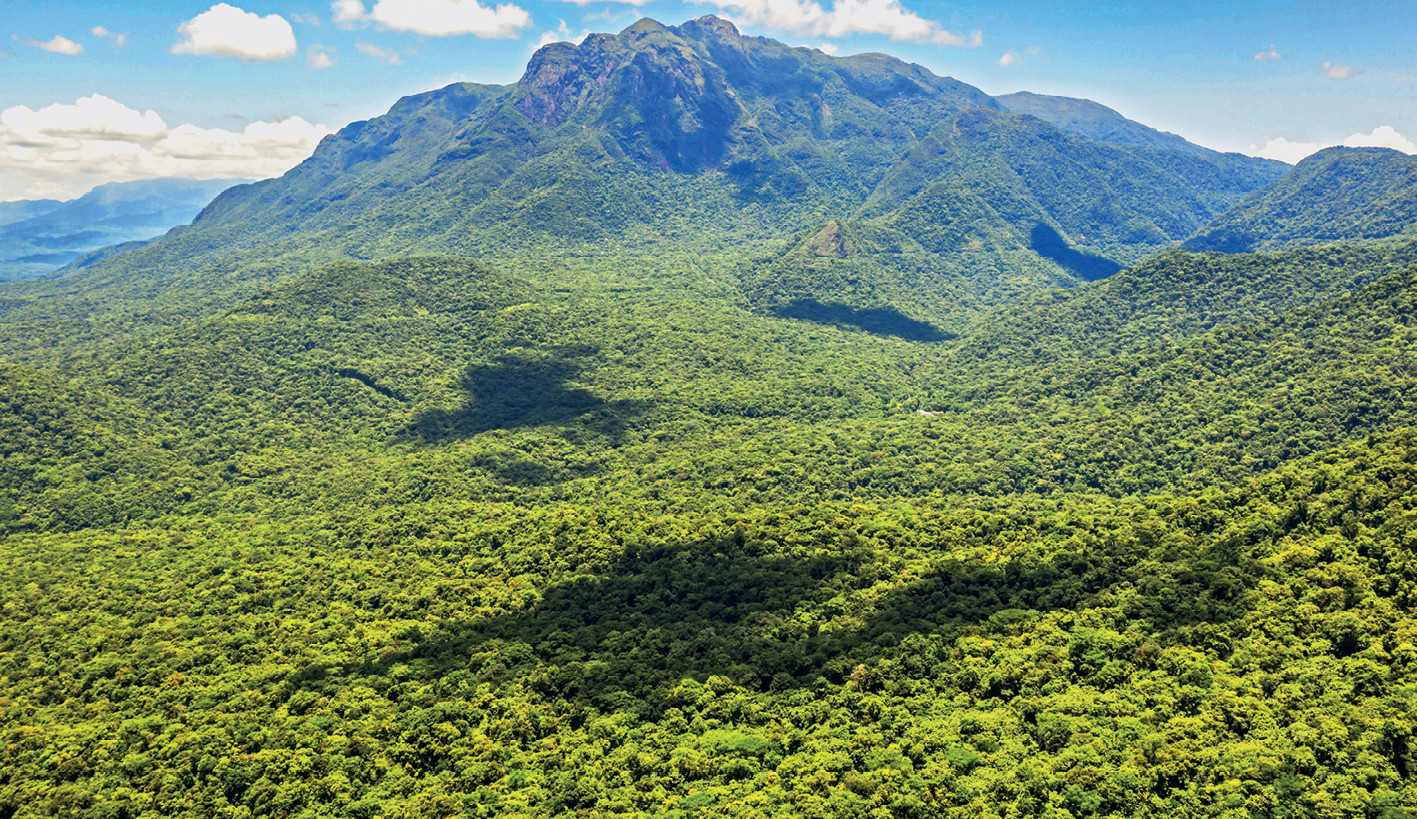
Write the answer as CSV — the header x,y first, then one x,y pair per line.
x,y
1094,121
1168,299
1337,194
692,140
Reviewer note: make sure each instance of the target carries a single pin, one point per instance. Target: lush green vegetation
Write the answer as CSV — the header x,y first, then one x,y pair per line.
x,y
686,142
747,472
1336,195
421,538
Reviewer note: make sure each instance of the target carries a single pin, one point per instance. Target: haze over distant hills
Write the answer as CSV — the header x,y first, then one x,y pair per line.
x,y
37,237
1094,121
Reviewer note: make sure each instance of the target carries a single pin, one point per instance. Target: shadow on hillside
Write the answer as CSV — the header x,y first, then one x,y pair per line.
x,y
729,606
1046,242
882,321
522,391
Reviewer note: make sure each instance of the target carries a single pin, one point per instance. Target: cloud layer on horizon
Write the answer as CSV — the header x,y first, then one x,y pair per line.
x,y
61,151
1285,151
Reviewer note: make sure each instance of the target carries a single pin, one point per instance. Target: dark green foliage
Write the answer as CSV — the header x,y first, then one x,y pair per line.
x,y
1338,194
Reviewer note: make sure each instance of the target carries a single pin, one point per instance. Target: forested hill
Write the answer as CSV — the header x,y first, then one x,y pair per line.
x,y
690,139
1337,194
1094,121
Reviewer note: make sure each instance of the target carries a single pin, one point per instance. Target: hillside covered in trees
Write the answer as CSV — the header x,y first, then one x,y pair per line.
x,y
641,440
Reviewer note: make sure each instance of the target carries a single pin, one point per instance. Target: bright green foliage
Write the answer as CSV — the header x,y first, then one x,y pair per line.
x,y
776,491
1336,195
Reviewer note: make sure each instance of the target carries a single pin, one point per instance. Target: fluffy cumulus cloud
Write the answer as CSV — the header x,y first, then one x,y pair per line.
x,y
436,18
227,31
1268,55
57,45
1285,151
1334,71
808,18
61,151
1383,137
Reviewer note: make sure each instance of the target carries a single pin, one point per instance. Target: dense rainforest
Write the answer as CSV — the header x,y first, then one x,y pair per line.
x,y
704,426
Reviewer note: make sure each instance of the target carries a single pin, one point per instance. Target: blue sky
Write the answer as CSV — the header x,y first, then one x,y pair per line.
x,y
97,92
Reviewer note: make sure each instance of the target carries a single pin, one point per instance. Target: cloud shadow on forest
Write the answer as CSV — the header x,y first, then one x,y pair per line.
x,y
1046,242
730,606
881,321
526,391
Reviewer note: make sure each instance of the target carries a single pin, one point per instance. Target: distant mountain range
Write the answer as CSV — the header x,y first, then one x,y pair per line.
x,y
39,236
696,139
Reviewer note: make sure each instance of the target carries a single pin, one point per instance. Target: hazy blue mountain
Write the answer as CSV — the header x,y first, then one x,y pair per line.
x,y
23,209
1095,121
39,236
1335,195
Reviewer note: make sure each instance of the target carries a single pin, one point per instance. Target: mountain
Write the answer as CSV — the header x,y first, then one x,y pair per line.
x,y
22,209
700,141
42,236
1337,194
1094,121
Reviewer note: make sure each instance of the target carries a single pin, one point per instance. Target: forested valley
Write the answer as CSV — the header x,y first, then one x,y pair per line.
x,y
812,437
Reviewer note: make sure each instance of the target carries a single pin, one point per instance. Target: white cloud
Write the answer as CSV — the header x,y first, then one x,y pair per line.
x,y
317,56
562,34
607,14
383,55
119,40
1338,72
828,48
58,45
1285,151
436,18
846,17
1012,58
61,151
227,31
348,13
1267,55
1384,136
305,19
